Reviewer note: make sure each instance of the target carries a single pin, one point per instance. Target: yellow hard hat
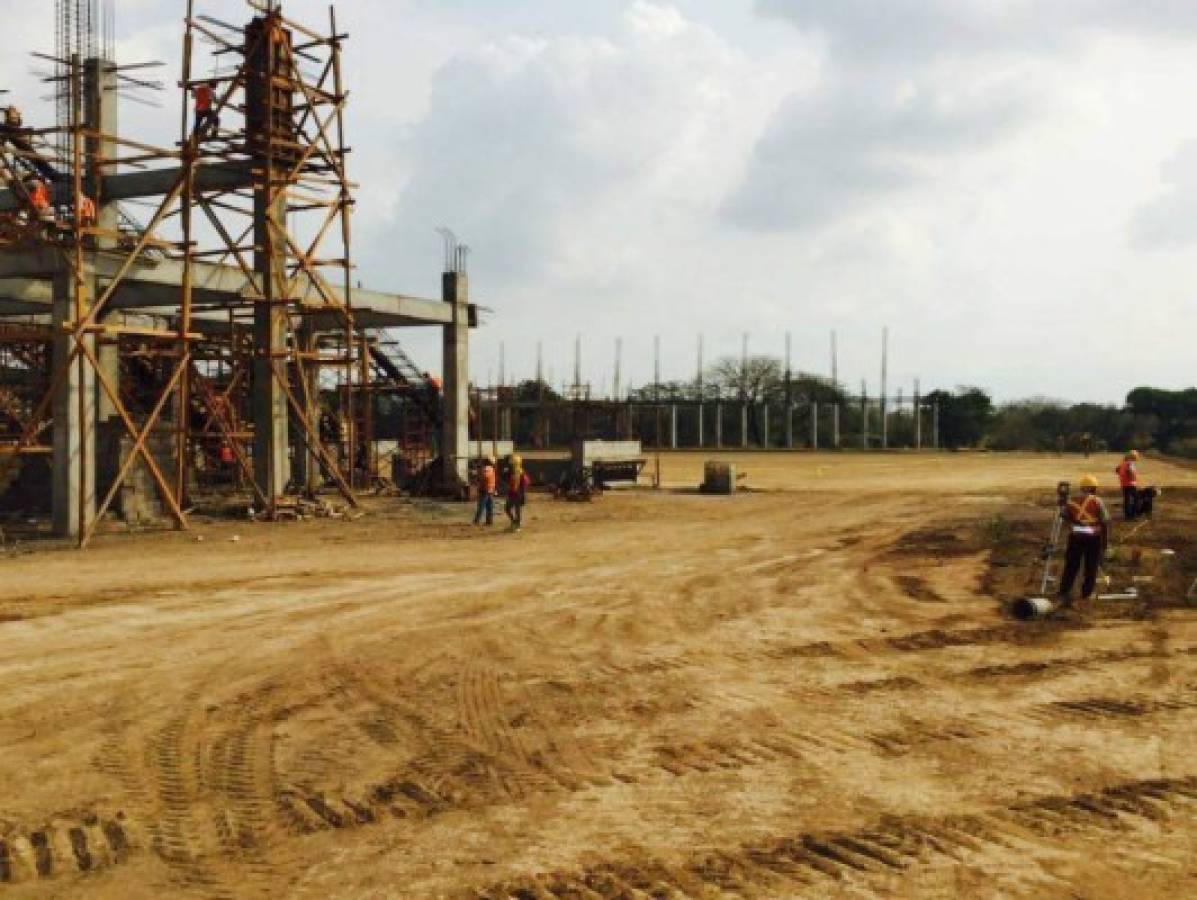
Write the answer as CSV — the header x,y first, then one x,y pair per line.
x,y
517,461
1134,454
490,458
1089,482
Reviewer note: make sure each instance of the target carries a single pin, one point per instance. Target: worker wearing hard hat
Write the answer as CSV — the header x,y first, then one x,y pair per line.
x,y
1128,480
518,483
487,482
1088,522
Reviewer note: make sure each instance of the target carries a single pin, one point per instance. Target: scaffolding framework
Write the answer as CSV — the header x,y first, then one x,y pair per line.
x,y
222,332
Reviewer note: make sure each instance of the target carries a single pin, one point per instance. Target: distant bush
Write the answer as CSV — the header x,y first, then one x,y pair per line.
x,y
1183,447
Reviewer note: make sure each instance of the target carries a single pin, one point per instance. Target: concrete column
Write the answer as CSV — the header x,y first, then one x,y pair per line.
x,y
264,108
455,434
307,464
701,436
835,426
718,426
814,425
100,113
789,423
673,426
269,402
73,476
765,426
744,425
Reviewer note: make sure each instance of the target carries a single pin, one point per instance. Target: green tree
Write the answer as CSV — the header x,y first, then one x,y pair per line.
x,y
964,416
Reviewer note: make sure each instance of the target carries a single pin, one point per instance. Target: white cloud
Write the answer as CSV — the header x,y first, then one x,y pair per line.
x,y
1169,219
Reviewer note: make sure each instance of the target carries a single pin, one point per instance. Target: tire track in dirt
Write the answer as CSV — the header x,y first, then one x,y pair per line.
x,y
1067,664
491,752
205,786
1108,708
64,847
887,848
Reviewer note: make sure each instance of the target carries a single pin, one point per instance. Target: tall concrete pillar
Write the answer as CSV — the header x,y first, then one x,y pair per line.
x,y
100,113
744,425
789,423
701,436
835,426
673,426
73,476
718,426
307,463
765,426
814,425
455,431
268,109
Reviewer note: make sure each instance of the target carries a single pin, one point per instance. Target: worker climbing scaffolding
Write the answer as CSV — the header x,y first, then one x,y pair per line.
x,y
207,120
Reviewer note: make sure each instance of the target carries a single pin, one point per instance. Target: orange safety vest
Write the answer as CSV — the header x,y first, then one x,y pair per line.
x,y
1127,476
486,480
87,210
203,98
1085,514
226,454
40,196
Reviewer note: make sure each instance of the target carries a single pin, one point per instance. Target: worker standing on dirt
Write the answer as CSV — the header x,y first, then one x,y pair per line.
x,y
518,483
1128,480
1088,536
487,482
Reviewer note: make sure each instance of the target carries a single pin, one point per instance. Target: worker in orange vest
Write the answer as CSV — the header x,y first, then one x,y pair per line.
x,y
1088,522
87,211
518,483
1128,480
205,110
39,196
487,483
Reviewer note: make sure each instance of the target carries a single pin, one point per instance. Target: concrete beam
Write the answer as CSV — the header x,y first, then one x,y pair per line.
x,y
155,285
226,176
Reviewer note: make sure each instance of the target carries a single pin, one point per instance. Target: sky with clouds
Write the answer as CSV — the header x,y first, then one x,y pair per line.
x,y
1009,185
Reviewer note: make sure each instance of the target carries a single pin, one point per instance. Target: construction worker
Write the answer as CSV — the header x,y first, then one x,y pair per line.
x,y
487,484
205,108
87,211
518,483
1128,480
39,196
12,117
1088,522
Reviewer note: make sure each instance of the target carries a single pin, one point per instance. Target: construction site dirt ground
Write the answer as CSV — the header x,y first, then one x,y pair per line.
x,y
811,688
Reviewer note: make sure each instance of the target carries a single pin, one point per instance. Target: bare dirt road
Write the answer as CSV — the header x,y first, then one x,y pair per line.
x,y
810,689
